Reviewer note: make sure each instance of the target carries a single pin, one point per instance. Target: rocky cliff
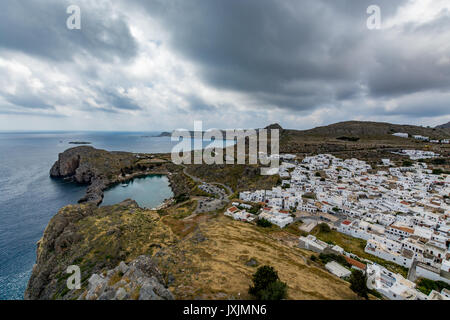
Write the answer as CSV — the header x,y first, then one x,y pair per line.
x,y
100,169
87,165
137,280
112,246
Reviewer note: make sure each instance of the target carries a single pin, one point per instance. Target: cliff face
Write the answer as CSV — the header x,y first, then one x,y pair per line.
x,y
100,169
100,241
88,165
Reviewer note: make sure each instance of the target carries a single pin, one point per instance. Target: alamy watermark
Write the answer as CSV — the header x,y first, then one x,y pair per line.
x,y
73,22
373,22
374,19
74,280
258,141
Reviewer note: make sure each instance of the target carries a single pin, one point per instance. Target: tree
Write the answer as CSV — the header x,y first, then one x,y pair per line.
x,y
358,283
407,163
264,223
324,227
267,285
438,161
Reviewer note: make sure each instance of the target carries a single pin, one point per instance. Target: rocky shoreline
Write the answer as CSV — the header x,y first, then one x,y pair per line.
x,y
83,165
72,236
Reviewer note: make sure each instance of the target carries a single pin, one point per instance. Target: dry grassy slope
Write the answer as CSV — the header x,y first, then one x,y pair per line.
x,y
95,239
215,267
201,256
375,140
238,177
370,129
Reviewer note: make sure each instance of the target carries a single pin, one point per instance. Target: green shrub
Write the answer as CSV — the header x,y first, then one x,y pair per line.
x,y
407,163
328,257
427,285
267,285
181,198
323,227
358,283
438,161
264,223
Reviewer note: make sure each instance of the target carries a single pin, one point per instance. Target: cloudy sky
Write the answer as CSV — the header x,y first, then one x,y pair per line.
x,y
161,64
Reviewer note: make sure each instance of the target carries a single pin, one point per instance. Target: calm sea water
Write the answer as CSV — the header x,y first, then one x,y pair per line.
x,y
29,198
148,192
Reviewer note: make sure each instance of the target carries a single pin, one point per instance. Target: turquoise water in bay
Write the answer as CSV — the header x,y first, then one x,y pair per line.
x,y
29,198
148,192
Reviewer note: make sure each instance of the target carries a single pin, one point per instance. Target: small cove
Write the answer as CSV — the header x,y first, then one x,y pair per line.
x,y
149,191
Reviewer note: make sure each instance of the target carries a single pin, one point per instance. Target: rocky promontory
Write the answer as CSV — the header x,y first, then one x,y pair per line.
x,y
111,245
100,169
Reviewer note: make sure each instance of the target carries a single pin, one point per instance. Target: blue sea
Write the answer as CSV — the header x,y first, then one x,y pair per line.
x,y
29,198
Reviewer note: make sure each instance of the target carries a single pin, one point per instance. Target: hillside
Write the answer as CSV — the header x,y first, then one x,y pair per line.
x,y
204,256
370,129
444,126
96,240
365,140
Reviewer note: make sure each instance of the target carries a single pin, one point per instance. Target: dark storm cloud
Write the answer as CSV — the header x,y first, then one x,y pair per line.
x,y
196,103
30,113
116,100
412,65
303,55
39,28
417,106
274,49
27,101
240,57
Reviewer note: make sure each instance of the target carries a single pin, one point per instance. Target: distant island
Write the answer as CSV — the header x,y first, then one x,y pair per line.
x,y
80,142
162,134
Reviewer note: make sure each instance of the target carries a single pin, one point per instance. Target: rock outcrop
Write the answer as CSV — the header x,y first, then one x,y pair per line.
x,y
100,169
97,240
137,280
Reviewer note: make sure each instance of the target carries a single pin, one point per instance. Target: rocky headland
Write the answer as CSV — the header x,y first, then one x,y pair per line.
x,y
112,245
101,169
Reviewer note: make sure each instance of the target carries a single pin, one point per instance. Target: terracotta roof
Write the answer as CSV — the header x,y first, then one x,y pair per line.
x,y
405,229
355,263
233,209
346,222
284,211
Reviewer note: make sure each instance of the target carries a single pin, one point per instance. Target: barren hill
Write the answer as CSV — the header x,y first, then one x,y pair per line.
x,y
444,126
370,129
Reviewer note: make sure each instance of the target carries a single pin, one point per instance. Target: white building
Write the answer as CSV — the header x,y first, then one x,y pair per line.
x,y
391,285
312,243
402,257
338,270
401,134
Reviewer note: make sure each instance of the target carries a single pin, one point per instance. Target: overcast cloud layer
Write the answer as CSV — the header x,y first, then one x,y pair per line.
x,y
161,64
